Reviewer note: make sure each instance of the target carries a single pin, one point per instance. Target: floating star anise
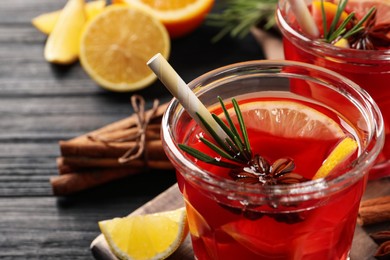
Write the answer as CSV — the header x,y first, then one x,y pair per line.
x,y
236,153
261,171
373,36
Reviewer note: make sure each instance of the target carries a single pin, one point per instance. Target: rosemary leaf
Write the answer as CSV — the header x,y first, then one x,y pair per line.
x,y
204,157
239,16
242,127
358,27
228,118
224,127
240,146
213,133
341,29
324,19
340,9
218,150
233,146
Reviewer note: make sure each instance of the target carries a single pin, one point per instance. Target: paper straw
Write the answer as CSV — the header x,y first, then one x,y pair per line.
x,y
304,18
180,90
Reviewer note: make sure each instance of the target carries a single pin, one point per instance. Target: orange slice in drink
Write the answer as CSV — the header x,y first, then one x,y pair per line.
x,y
117,44
289,119
146,237
179,17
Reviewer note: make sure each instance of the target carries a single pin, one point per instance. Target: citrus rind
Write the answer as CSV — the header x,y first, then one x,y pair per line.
x,y
114,55
147,237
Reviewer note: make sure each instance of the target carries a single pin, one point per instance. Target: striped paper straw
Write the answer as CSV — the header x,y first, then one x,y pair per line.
x,y
180,90
304,18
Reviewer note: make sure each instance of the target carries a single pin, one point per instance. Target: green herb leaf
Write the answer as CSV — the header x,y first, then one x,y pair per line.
x,y
204,157
358,27
233,148
242,127
218,150
239,16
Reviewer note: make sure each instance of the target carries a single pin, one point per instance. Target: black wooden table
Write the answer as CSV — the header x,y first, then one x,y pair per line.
x,y
41,104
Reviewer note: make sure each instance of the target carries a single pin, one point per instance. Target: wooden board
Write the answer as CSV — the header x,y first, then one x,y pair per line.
x,y
363,247
169,199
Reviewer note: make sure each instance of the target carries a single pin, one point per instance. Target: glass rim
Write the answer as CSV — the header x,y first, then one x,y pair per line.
x,y
323,48
295,192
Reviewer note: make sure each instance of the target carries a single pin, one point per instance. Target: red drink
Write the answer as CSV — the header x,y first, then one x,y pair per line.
x,y
370,69
229,219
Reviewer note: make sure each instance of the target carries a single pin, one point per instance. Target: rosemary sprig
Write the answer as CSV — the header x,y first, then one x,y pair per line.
x,y
359,26
239,16
235,149
341,31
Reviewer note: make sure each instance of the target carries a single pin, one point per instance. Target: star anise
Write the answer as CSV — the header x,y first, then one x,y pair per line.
x,y
373,36
235,153
261,171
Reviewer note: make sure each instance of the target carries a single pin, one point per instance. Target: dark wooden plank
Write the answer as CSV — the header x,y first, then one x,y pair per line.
x,y
47,227
41,104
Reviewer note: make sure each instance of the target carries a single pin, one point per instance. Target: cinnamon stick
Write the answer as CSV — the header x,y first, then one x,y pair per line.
x,y
111,150
125,123
374,211
71,164
91,159
74,182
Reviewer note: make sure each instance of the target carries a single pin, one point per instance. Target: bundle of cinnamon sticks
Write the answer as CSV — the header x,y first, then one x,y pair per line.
x,y
129,146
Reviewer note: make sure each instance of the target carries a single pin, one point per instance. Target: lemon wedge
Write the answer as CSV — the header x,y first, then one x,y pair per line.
x,y
46,22
146,237
62,46
339,155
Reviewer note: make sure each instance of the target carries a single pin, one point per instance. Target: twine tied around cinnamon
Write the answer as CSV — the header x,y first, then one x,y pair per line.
x,y
143,120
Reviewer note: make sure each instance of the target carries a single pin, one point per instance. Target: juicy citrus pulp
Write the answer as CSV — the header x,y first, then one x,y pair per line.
x,y
292,120
340,154
62,46
46,22
117,44
151,236
289,119
179,17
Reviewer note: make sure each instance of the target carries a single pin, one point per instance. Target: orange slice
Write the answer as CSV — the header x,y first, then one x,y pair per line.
x,y
146,237
289,119
117,44
62,46
46,22
179,17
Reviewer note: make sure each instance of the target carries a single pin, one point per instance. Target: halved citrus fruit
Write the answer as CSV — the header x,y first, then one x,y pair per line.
x,y
46,22
62,46
117,44
146,237
179,17
289,119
